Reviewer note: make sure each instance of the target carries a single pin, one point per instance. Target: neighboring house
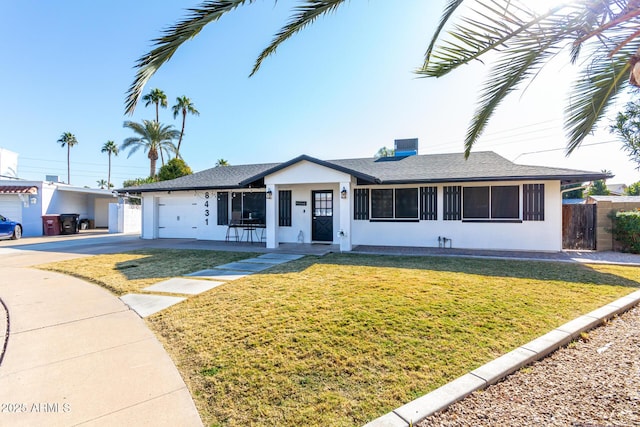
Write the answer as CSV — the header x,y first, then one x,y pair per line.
x,y
485,202
617,189
27,201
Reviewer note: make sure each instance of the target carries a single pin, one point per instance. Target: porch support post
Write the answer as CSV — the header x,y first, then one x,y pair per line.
x,y
344,232
271,217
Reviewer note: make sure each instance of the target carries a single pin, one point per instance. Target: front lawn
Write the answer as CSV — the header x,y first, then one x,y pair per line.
x,y
343,339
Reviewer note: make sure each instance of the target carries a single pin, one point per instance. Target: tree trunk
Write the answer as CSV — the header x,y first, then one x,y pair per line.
x,y
153,157
184,119
109,173
68,164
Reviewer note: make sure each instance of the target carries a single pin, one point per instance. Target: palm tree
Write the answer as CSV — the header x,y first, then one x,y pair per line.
x,y
523,40
183,106
153,138
102,183
110,148
159,99
69,140
222,162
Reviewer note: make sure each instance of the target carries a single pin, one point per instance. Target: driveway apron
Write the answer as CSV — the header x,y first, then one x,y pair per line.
x,y
76,355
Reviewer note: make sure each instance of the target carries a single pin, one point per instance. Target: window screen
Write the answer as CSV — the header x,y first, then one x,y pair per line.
x,y
505,202
475,202
406,203
382,203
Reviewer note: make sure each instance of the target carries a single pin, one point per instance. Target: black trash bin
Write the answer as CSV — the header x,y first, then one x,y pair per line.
x,y
69,223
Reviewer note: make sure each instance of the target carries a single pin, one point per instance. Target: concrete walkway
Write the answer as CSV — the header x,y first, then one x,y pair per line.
x,y
151,303
76,355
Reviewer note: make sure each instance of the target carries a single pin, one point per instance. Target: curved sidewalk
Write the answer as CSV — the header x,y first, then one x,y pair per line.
x,y
76,355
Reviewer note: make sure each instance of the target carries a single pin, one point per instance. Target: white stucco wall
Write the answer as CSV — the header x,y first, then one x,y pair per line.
x,y
306,177
125,218
526,235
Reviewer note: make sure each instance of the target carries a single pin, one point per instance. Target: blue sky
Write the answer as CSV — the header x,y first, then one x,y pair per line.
x,y
342,88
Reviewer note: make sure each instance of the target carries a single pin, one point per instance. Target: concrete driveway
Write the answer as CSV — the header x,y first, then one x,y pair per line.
x,y
74,354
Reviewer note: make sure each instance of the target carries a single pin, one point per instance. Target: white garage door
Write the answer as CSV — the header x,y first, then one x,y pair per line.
x,y
11,207
177,218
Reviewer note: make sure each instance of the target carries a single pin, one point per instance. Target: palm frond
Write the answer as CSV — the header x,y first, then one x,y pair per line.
x,y
449,10
594,92
521,62
304,15
172,38
494,26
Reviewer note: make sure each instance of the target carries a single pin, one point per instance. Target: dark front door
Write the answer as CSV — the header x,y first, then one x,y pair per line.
x,y
322,222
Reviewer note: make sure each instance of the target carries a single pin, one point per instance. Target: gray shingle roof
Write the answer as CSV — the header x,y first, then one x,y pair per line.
x,y
431,168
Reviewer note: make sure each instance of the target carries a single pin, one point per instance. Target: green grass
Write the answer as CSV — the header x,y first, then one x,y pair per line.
x,y
343,339
132,271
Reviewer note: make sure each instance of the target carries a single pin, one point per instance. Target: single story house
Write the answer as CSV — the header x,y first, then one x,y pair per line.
x,y
484,202
28,201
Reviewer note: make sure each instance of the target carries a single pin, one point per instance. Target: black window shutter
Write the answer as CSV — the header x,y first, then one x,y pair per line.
x,y
429,203
361,204
533,202
452,203
284,208
223,208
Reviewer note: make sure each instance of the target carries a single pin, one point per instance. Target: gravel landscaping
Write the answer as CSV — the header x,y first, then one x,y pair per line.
x,y
594,381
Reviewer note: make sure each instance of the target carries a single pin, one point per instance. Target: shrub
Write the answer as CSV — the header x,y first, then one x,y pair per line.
x,y
626,230
175,168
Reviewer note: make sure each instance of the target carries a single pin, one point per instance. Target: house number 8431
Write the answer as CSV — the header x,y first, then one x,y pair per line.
x,y
206,208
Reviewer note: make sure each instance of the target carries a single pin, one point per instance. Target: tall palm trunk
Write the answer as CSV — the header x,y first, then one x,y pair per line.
x,y
109,173
68,164
161,154
184,119
153,157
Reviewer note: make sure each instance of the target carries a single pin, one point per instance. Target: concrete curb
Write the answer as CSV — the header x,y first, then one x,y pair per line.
x,y
4,329
494,371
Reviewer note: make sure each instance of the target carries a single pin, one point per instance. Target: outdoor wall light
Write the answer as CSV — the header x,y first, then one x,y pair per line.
x,y
269,194
33,199
343,193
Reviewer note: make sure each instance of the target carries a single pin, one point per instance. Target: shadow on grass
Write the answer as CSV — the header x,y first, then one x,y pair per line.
x,y
536,270
168,263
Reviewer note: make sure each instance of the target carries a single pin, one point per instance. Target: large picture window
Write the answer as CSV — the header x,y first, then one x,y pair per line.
x,y
398,203
491,202
249,206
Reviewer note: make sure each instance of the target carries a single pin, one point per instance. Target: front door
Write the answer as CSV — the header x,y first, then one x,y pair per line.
x,y
322,222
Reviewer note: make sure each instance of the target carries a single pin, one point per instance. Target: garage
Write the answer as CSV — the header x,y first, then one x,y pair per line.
x,y
177,218
11,207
